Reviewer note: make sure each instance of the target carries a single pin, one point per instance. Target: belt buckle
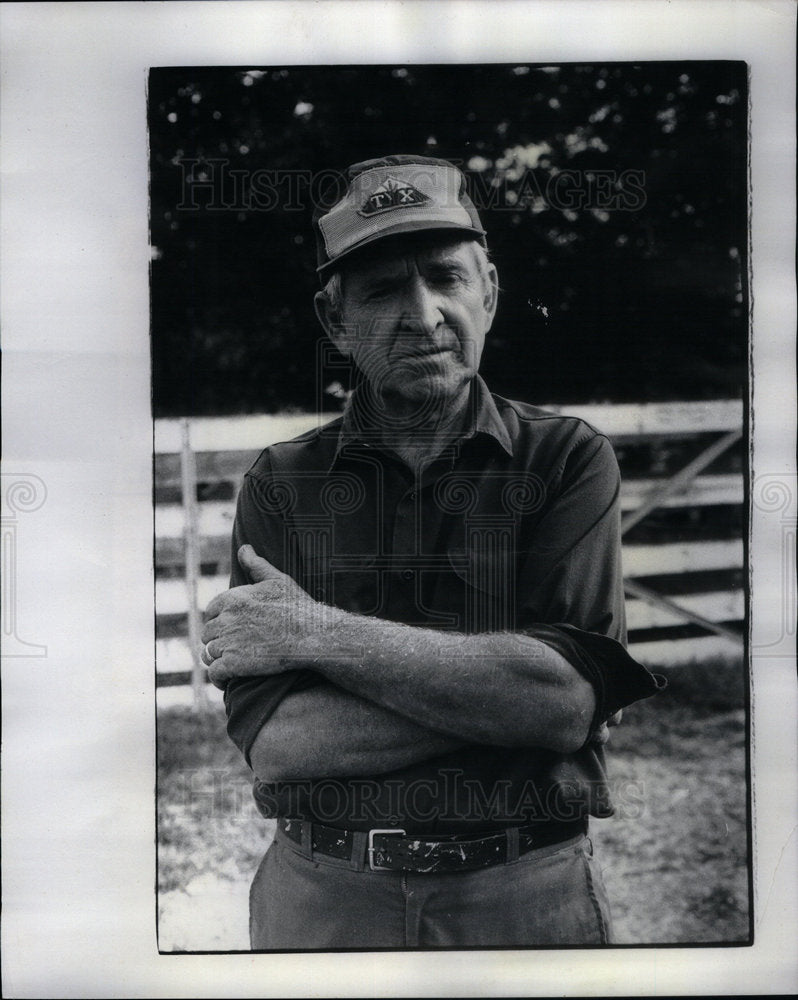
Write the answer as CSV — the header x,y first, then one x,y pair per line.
x,y
394,831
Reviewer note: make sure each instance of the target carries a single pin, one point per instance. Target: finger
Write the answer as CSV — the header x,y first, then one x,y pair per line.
x,y
209,654
217,605
217,674
258,568
211,630
601,735
615,720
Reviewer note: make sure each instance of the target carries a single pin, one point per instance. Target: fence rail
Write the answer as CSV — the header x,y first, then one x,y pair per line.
x,y
681,500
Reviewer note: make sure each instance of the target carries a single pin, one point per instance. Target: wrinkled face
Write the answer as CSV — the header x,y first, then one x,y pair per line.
x,y
414,319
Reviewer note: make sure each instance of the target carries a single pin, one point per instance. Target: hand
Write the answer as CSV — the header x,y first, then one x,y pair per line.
x,y
602,734
259,629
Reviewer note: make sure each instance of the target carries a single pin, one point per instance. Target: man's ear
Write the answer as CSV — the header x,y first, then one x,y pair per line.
x,y
330,319
491,299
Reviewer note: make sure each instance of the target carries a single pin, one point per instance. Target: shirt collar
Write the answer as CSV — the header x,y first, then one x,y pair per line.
x,y
485,420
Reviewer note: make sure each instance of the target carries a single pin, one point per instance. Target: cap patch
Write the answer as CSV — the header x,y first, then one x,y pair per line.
x,y
392,193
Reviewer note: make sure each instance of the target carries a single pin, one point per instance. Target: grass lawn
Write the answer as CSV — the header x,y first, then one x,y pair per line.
x,y
674,857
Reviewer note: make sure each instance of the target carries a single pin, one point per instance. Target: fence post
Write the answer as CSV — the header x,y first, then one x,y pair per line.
x,y
188,476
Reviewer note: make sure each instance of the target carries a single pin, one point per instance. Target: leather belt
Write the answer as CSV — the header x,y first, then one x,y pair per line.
x,y
395,850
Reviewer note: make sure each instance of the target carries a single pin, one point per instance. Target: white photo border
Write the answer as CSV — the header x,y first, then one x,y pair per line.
x,y
78,764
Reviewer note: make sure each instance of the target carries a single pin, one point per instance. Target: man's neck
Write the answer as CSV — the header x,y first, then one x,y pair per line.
x,y
418,437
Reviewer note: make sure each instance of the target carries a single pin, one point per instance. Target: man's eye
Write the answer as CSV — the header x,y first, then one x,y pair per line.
x,y
447,278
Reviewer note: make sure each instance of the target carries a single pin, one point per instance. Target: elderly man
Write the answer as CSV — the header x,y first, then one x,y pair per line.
x,y
423,640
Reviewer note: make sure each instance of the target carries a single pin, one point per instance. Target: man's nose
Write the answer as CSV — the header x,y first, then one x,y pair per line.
x,y
421,311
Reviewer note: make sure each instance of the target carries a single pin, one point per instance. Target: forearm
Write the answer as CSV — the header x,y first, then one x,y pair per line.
x,y
506,689
327,732
500,688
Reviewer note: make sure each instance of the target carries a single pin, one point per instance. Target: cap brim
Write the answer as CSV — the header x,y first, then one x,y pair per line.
x,y
399,229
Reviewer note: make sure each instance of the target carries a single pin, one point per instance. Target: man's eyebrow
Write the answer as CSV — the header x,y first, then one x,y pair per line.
x,y
447,264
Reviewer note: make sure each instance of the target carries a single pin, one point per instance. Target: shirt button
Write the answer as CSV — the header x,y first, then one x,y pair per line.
x,y
412,495
407,574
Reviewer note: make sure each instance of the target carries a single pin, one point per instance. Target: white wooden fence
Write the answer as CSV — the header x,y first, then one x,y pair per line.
x,y
682,519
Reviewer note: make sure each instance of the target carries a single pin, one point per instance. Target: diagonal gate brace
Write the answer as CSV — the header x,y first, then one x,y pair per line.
x,y
655,498
680,480
635,589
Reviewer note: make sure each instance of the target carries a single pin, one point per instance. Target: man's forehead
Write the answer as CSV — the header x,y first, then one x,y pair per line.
x,y
423,252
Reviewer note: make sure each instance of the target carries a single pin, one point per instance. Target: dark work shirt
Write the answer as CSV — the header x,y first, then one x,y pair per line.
x,y
515,527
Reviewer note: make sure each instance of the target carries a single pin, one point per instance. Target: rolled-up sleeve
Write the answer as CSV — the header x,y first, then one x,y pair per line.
x,y
617,678
571,592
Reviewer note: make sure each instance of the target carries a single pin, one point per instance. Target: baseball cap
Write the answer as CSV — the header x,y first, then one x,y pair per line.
x,y
389,196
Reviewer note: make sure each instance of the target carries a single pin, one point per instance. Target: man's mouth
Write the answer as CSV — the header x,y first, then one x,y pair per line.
x,y
421,355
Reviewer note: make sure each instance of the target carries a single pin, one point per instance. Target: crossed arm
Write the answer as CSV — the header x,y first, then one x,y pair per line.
x,y
325,732
382,707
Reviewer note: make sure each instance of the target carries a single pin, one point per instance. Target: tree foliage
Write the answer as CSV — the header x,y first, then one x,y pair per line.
x,y
614,196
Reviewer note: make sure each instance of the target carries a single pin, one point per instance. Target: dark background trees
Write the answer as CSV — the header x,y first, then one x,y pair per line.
x,y
614,197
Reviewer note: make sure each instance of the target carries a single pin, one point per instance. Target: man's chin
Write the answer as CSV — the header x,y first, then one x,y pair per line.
x,y
433,388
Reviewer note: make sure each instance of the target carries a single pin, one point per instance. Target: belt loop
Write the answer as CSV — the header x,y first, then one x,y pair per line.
x,y
306,842
512,844
357,860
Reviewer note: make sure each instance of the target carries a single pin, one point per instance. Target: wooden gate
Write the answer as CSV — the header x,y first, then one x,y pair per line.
x,y
683,523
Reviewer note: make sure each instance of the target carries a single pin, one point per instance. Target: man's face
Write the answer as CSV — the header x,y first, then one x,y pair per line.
x,y
414,319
